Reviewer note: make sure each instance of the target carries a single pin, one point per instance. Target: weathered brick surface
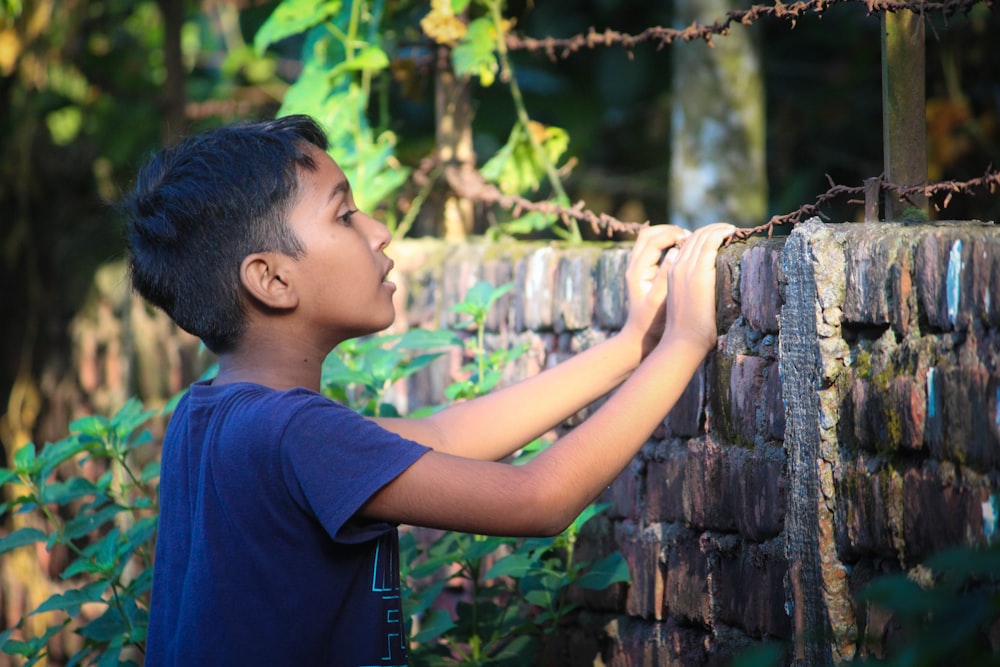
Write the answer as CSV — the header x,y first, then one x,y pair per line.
x,y
686,593
760,267
759,609
903,366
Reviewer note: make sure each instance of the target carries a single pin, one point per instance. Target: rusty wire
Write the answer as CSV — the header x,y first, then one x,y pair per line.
x,y
792,11
471,185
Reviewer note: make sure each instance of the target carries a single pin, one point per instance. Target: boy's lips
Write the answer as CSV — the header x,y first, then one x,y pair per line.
x,y
387,270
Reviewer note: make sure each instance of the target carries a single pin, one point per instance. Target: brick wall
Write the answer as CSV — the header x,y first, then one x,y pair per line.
x,y
847,426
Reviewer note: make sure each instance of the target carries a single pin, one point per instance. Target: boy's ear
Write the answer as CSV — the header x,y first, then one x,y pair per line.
x,y
263,277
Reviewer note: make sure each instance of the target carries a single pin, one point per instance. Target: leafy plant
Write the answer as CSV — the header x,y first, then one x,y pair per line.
x,y
514,590
108,525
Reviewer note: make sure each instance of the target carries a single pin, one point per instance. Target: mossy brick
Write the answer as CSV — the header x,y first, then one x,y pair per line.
x,y
942,510
706,497
611,300
642,549
686,417
866,298
869,497
758,608
969,430
686,592
727,287
746,384
664,489
760,267
573,287
757,486
533,288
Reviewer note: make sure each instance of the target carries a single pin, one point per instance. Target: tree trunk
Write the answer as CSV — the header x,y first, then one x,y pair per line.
x,y
717,166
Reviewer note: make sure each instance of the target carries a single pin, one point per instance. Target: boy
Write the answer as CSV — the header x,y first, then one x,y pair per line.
x,y
277,541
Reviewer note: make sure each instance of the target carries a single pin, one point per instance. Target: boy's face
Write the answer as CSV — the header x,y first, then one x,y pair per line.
x,y
341,278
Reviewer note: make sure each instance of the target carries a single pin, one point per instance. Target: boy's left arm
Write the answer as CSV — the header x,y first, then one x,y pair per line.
x,y
493,426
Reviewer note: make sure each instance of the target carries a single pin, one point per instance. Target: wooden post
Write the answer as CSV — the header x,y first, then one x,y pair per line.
x,y
904,124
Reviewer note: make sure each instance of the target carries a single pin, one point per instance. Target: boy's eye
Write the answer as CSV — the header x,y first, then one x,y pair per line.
x,y
346,217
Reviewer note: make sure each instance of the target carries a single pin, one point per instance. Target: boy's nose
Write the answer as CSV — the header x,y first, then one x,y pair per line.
x,y
378,233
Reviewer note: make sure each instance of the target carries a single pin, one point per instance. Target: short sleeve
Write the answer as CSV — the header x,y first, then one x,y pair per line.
x,y
334,460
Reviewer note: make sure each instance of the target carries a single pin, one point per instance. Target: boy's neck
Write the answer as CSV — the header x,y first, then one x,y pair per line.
x,y
277,367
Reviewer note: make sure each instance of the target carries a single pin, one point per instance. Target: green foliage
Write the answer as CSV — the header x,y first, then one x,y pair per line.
x,y
948,620
108,525
516,589
347,50
342,57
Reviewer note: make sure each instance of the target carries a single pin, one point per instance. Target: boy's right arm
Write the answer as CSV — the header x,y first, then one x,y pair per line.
x,y
546,494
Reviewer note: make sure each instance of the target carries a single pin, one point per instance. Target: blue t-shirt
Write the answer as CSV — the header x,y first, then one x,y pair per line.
x,y
259,558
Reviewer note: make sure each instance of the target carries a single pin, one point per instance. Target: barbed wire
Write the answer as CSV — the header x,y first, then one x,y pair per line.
x,y
556,48
470,184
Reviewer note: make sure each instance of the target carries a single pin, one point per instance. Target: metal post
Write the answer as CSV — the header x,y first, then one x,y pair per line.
x,y
904,125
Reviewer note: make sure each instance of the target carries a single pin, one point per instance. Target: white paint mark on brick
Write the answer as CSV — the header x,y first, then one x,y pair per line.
x,y
990,517
954,280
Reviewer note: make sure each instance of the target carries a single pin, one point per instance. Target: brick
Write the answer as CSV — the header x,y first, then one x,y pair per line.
x,y
611,301
642,549
727,288
944,284
968,433
757,486
705,496
869,498
746,385
573,288
533,290
984,255
758,608
902,297
759,289
623,492
498,272
637,643
866,297
664,497
686,593
686,418
941,511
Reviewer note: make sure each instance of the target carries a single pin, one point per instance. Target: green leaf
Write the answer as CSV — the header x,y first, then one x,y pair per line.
x,y
612,569
588,513
71,600
475,53
514,565
105,627
84,523
21,537
72,489
24,459
371,58
92,425
437,622
426,339
292,17
55,454
150,472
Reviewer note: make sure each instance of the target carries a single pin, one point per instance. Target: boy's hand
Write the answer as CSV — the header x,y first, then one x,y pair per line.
x,y
690,299
646,282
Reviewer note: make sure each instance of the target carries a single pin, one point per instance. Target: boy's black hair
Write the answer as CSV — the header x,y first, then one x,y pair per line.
x,y
200,207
